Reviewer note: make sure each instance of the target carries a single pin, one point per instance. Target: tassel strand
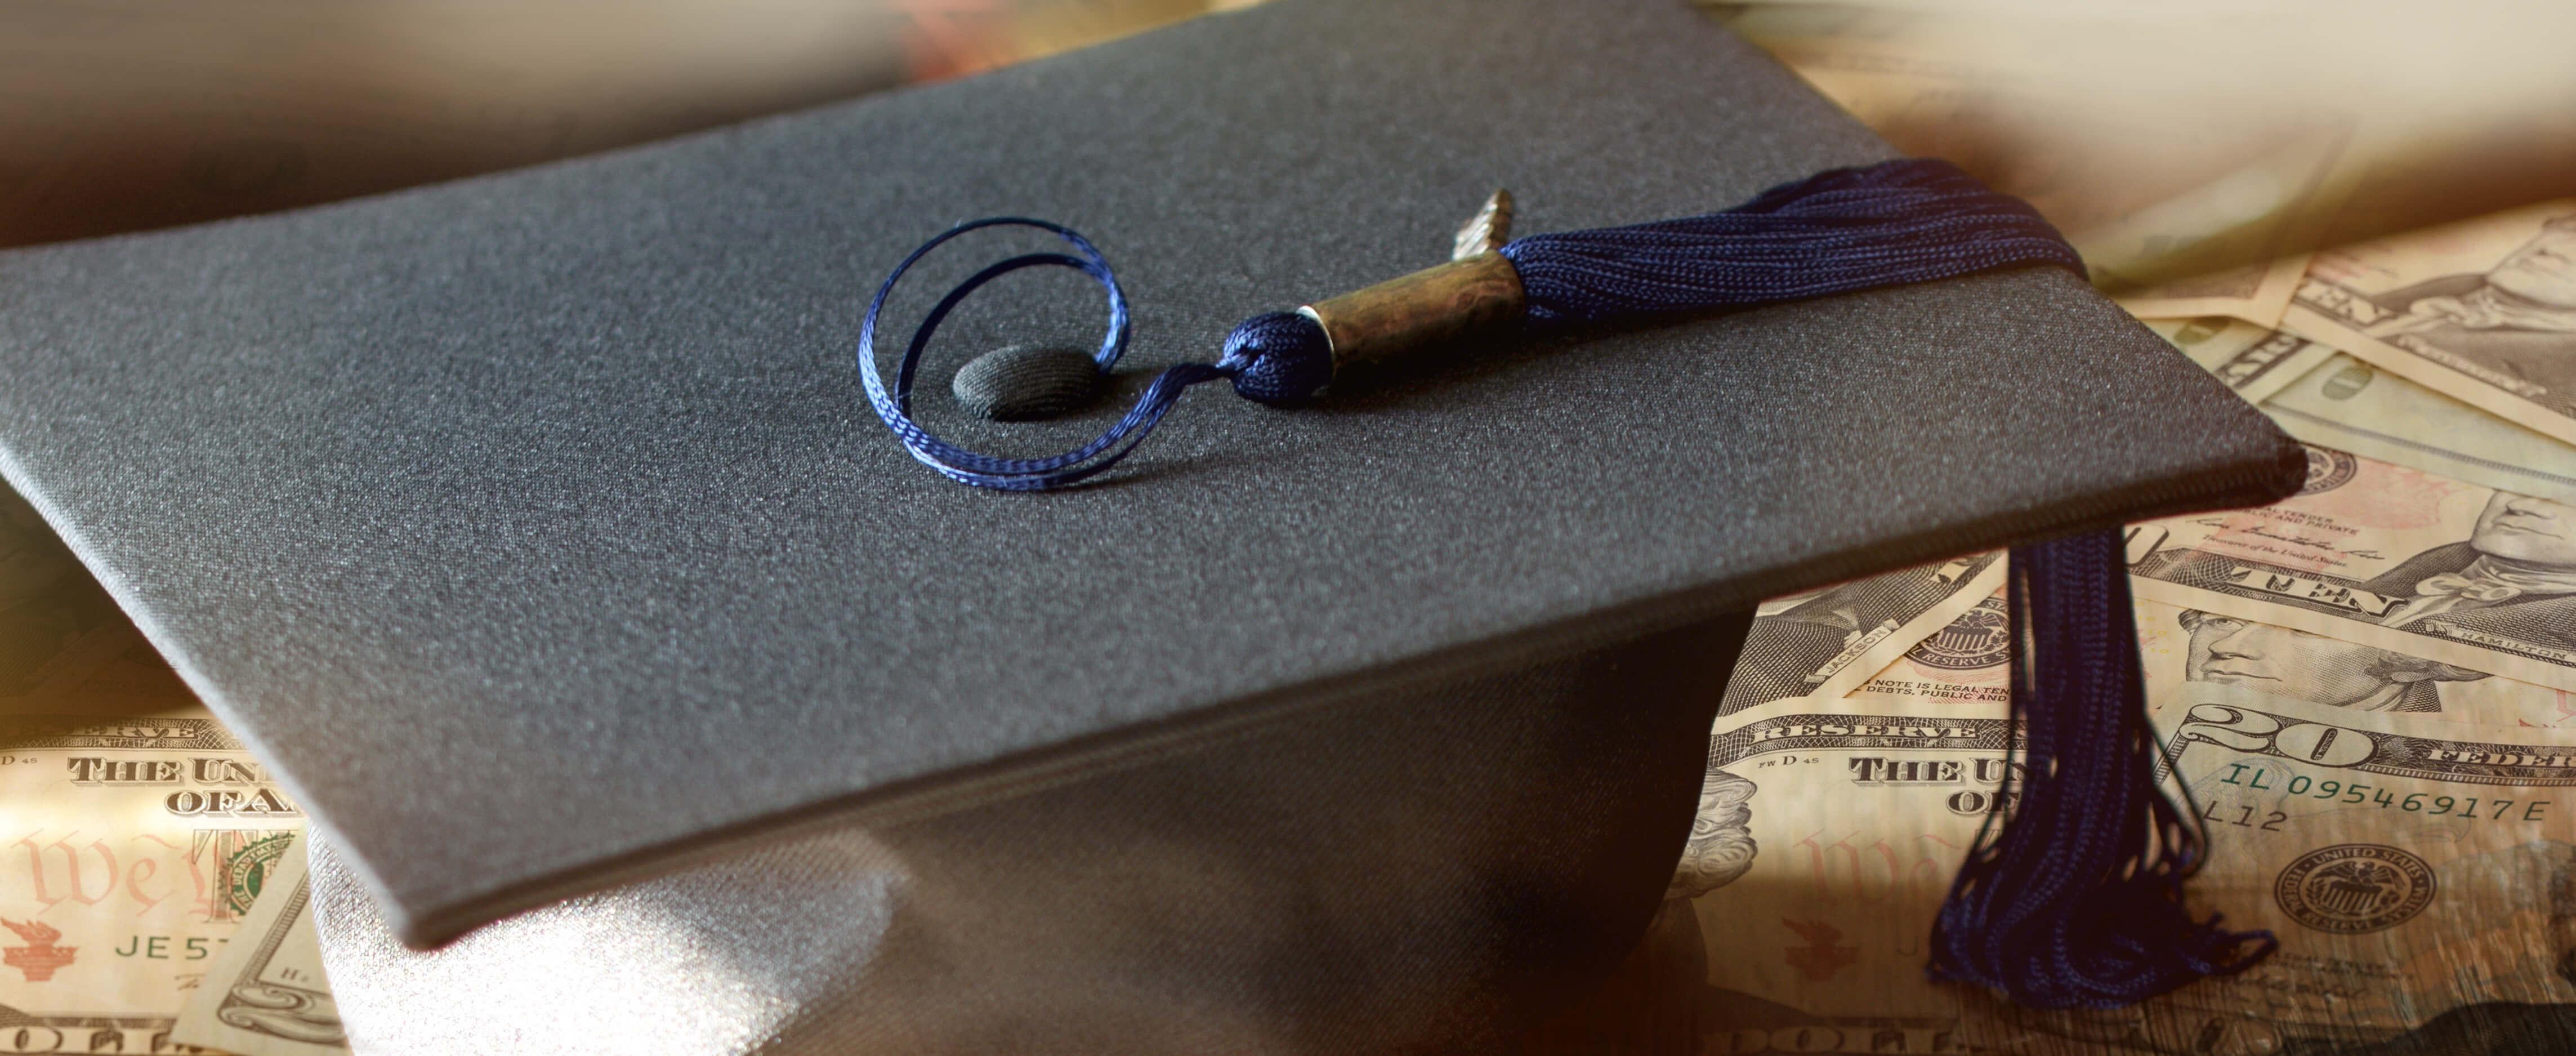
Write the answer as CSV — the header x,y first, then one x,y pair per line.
x,y
2072,896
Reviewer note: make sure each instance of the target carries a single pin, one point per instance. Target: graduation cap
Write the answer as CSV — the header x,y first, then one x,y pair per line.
x,y
643,687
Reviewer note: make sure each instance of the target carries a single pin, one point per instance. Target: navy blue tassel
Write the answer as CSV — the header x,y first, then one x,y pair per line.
x,y
2071,898
1835,232
2074,900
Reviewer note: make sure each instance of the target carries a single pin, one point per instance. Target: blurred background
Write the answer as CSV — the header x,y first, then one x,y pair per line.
x,y
2171,140
122,115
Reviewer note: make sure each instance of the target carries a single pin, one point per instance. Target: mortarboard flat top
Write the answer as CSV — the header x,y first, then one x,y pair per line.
x,y
535,527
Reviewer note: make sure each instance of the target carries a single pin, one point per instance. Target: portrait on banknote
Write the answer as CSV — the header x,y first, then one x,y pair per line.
x,y
2515,575
2484,311
2313,667
2385,556
2516,320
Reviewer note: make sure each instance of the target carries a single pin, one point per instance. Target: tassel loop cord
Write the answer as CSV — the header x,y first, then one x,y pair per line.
x,y
1272,358
894,406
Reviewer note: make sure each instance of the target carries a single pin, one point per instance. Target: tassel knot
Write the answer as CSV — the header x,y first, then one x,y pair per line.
x,y
1278,358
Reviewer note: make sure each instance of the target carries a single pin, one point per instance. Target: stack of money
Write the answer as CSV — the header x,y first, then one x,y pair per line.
x,y
2376,764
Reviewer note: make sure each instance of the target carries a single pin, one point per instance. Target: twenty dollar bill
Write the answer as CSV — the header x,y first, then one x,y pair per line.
x,y
2408,866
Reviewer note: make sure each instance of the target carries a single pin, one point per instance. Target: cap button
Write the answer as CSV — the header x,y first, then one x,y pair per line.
x,y
1021,383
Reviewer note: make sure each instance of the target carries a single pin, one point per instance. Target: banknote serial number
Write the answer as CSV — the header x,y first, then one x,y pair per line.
x,y
2355,793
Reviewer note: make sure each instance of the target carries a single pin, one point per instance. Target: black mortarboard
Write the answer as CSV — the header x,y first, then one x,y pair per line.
x,y
535,530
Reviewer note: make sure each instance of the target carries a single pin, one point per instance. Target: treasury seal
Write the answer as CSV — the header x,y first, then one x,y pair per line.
x,y
2351,888
1980,637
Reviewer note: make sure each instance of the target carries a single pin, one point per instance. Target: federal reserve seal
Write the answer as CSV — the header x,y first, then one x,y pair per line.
x,y
2328,470
1980,637
2351,888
